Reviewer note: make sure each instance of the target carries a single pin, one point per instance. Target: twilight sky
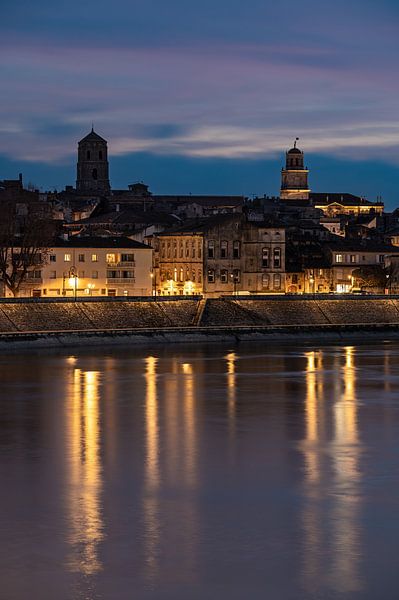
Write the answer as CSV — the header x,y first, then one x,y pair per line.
x,y
203,96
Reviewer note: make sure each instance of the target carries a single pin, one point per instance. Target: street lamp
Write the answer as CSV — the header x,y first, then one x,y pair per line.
x,y
73,281
153,283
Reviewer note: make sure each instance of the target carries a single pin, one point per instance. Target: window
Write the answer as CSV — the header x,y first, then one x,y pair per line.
x,y
127,274
67,257
338,258
94,275
236,275
53,258
187,274
81,258
193,251
127,257
277,281
193,277
168,250
295,278
381,258
181,275
199,250
265,281
94,174
81,274
187,250
100,155
113,274
111,258
265,258
277,258
211,249
199,277
53,274
163,250
223,249
174,249
223,276
211,276
353,258
94,258
236,249
88,155
175,274
37,274
181,250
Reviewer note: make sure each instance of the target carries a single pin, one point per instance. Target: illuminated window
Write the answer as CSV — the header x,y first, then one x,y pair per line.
x,y
236,275
111,258
223,276
211,276
94,258
277,281
67,257
338,258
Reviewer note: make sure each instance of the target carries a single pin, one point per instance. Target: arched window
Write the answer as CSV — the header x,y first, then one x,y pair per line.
x,y
100,155
88,155
94,173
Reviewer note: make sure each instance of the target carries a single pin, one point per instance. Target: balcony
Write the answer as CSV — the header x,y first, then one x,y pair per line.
x,y
120,280
122,263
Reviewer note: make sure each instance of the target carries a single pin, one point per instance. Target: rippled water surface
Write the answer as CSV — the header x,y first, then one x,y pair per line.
x,y
200,473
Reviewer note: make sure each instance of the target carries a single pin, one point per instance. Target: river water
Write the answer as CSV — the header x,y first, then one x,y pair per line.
x,y
203,472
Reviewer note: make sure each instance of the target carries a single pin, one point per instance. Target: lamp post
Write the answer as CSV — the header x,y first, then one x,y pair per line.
x,y
153,283
311,281
388,288
73,281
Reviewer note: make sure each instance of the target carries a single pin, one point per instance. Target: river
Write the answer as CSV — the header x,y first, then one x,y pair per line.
x,y
208,472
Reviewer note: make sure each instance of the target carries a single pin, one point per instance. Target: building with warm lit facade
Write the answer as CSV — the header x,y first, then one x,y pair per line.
x,y
345,204
294,177
225,254
91,267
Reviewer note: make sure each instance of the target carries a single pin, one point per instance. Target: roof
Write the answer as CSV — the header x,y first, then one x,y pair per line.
x,y
294,151
342,245
99,242
343,199
92,137
202,200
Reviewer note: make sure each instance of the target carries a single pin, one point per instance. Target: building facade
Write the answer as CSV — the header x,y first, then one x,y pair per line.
x,y
222,255
81,267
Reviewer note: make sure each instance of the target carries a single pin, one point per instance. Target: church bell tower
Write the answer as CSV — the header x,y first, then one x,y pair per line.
x,y
92,168
294,178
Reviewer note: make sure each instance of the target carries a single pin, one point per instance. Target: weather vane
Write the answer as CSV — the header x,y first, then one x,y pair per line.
x,y
296,140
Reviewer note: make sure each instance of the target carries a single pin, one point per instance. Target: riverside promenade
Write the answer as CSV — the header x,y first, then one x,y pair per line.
x,y
88,321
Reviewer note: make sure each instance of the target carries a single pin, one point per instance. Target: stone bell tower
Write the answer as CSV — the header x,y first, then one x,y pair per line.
x,y
294,178
92,168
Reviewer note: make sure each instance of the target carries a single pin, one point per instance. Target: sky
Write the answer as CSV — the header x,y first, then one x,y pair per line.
x,y
203,97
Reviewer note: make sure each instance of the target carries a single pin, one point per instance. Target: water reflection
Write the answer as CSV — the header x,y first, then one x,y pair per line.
x,y
151,500
345,492
231,358
340,457
84,473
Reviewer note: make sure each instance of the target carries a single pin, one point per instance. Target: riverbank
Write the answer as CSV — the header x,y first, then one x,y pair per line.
x,y
25,323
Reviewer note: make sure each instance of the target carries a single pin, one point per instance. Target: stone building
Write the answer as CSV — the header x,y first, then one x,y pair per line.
x,y
90,266
224,254
294,178
92,168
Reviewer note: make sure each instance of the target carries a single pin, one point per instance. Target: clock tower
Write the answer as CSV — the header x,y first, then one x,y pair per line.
x,y
294,178
92,168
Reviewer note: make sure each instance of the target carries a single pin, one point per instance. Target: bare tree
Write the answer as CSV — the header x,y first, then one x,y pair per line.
x,y
26,232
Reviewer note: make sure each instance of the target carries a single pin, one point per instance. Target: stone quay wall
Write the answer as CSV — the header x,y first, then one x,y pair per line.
x,y
192,318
